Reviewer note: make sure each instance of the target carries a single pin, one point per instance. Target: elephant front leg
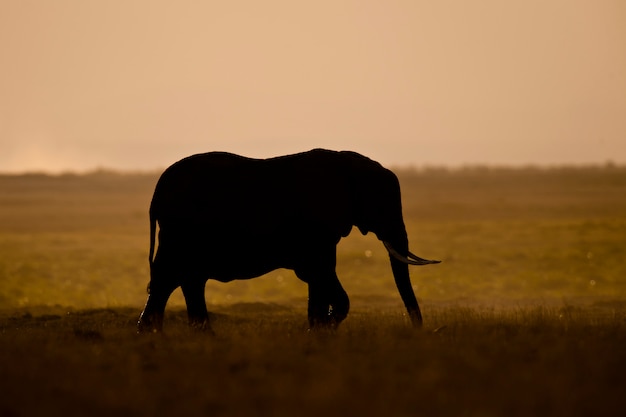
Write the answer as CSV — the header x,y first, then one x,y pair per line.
x,y
319,307
328,303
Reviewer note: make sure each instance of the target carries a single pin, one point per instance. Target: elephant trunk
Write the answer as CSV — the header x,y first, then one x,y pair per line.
x,y
398,251
403,283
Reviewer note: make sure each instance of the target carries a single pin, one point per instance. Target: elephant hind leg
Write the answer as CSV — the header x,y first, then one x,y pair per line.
x,y
161,286
197,313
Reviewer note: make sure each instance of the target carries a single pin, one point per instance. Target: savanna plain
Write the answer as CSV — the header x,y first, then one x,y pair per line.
x,y
526,314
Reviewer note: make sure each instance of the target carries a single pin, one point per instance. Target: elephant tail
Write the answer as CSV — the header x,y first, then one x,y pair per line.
x,y
152,236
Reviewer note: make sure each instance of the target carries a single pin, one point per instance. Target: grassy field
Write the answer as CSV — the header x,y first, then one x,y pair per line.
x,y
525,316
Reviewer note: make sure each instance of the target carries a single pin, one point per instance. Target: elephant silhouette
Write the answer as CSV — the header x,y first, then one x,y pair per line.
x,y
225,217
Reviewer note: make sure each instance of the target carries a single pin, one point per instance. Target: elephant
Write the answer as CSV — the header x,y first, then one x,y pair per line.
x,y
227,217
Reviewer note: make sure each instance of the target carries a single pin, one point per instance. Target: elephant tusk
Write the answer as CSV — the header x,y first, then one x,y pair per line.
x,y
416,260
422,260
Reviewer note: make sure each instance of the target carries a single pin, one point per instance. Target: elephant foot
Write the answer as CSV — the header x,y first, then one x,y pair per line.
x,y
327,324
416,319
150,323
201,327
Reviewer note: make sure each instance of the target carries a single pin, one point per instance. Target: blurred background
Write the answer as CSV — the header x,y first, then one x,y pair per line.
x,y
137,84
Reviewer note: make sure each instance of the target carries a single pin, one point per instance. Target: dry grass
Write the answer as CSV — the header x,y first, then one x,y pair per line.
x,y
524,361
526,316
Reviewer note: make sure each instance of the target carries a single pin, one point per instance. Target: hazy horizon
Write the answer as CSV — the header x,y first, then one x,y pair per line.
x,y
137,85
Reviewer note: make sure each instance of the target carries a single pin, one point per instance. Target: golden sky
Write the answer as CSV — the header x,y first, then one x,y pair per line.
x,y
134,84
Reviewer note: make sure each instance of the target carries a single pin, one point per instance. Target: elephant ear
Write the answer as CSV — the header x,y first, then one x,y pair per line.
x,y
364,178
322,194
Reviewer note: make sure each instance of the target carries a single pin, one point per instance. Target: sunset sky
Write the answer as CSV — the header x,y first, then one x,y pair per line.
x,y
136,85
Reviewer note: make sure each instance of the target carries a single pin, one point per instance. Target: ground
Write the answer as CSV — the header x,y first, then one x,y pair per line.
x,y
526,315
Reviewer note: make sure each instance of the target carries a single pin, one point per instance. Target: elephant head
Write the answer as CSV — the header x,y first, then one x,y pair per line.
x,y
377,208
